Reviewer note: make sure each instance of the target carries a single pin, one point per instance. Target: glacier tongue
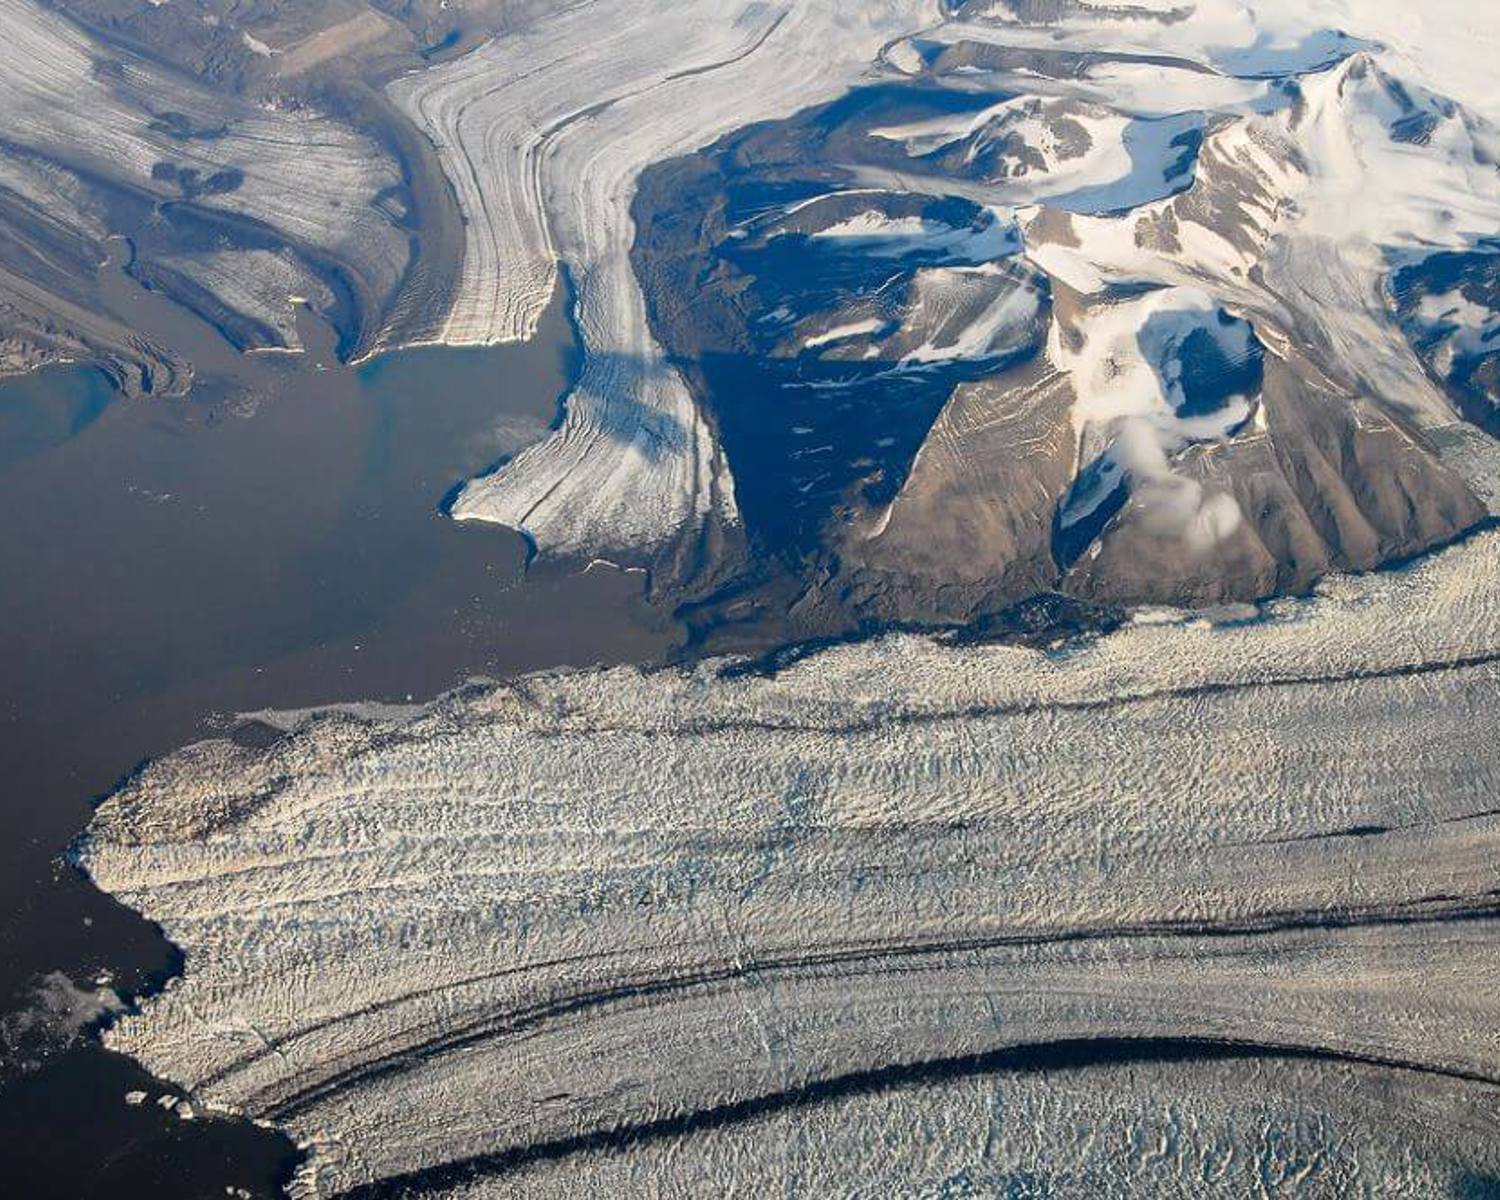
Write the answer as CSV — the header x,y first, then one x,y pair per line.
x,y
433,945
544,134
234,205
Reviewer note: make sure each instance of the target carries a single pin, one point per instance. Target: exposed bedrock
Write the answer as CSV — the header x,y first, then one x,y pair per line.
x,y
435,945
935,405
971,530
1320,481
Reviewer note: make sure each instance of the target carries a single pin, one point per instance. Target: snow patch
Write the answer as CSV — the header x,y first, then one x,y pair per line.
x,y
872,232
1125,359
842,333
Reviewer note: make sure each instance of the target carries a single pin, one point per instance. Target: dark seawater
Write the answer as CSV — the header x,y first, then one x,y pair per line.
x,y
272,540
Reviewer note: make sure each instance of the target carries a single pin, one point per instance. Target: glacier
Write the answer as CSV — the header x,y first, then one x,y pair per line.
x,y
586,918
892,314
1282,160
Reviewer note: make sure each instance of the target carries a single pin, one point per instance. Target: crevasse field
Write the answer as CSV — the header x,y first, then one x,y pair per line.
x,y
1180,320
543,937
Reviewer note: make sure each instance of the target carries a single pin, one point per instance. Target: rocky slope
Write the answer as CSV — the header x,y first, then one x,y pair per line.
x,y
1079,301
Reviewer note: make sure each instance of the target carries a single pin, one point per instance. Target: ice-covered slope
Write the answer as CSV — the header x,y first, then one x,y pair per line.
x,y
234,199
1068,153
1371,136
544,134
434,945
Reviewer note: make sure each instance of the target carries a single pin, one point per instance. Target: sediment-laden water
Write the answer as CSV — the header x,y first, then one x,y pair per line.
x,y
273,539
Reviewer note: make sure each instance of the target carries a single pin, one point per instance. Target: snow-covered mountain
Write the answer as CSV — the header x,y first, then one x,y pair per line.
x,y
1076,299
908,310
